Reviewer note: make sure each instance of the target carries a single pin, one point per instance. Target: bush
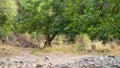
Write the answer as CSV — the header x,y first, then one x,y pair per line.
x,y
2,34
80,47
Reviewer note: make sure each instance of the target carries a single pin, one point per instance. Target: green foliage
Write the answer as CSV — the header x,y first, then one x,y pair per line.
x,y
8,11
43,16
80,47
2,34
98,18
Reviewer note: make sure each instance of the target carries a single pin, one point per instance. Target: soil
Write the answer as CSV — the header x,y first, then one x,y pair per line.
x,y
14,57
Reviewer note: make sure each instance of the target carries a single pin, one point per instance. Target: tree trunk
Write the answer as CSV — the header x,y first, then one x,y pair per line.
x,y
49,40
47,44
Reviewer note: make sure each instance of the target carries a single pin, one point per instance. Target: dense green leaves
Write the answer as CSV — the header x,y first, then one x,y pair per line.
x,y
44,15
100,19
8,11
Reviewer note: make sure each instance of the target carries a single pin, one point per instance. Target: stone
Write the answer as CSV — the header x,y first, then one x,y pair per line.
x,y
65,66
39,66
35,62
47,58
111,56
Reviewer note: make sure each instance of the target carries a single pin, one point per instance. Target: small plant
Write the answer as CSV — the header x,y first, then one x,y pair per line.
x,y
80,47
112,47
93,47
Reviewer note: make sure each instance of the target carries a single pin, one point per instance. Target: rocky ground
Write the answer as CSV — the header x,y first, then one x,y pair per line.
x,y
13,57
61,62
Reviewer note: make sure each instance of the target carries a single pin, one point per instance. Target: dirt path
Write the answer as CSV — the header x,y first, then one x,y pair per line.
x,y
52,60
14,57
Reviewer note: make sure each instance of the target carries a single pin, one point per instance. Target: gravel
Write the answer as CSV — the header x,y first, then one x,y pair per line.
x,y
62,62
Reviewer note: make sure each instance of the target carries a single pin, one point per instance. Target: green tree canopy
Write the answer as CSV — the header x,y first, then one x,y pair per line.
x,y
8,11
100,19
43,16
97,18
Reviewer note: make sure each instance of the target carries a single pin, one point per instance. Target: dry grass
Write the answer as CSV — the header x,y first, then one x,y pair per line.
x,y
61,48
71,49
6,47
8,50
106,49
83,45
